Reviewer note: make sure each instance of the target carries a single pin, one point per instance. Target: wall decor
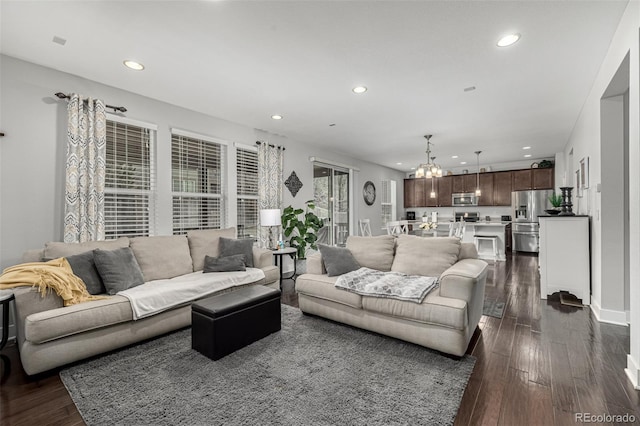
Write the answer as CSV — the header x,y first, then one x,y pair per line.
x,y
584,172
578,184
369,193
293,184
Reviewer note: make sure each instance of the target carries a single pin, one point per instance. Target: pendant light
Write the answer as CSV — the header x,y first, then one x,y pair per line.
x,y
478,192
430,168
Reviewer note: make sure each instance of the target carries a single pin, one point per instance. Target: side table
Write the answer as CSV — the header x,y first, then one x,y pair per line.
x,y
278,258
5,299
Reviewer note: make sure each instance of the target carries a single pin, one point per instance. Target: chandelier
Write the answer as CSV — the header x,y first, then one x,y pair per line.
x,y
430,168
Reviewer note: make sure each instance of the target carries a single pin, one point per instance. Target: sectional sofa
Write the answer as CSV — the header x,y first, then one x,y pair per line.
x,y
447,317
50,335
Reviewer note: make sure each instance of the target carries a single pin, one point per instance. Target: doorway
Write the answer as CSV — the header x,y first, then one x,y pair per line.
x,y
331,194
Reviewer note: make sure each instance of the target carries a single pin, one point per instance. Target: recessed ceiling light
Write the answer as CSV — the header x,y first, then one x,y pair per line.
x,y
526,147
413,168
137,66
527,155
359,89
454,156
399,164
508,40
463,162
276,117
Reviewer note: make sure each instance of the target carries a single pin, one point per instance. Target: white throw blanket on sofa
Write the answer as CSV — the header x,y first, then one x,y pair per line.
x,y
394,285
159,295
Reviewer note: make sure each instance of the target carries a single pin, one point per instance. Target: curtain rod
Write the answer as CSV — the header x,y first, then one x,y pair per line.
x,y
271,145
115,108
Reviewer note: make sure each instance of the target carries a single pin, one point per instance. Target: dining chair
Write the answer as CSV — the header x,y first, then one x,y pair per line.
x,y
456,229
397,227
365,227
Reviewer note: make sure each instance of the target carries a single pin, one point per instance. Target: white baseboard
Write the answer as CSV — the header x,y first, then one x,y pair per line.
x,y
609,316
632,372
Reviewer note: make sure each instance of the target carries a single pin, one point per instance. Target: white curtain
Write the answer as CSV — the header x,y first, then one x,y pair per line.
x,y
85,170
270,183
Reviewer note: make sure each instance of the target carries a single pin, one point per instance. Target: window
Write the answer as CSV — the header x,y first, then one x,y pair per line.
x,y
129,180
247,190
388,201
197,171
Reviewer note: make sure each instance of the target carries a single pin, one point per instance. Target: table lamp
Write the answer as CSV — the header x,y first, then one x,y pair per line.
x,y
270,218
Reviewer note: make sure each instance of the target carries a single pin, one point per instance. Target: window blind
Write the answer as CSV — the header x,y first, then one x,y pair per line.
x,y
388,201
197,173
129,181
247,190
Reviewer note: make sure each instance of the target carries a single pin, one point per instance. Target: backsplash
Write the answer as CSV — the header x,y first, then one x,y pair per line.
x,y
447,213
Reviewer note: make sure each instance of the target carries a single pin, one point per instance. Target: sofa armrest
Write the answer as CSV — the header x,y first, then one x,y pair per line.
x,y
33,256
460,280
262,257
315,265
29,301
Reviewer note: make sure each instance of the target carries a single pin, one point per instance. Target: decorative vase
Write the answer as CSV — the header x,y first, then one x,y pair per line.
x,y
566,201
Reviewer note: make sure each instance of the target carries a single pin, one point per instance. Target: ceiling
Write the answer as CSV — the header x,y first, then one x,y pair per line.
x,y
244,61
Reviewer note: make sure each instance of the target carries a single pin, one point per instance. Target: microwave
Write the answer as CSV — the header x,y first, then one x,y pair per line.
x,y
464,199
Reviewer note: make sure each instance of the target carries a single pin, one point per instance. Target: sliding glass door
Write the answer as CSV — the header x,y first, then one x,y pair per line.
x,y
331,194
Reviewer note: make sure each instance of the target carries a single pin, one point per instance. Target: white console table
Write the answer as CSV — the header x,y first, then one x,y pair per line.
x,y
564,256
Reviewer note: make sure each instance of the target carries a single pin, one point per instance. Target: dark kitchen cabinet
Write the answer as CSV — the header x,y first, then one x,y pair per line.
x,y
502,188
409,193
445,189
464,183
521,180
421,193
486,189
542,178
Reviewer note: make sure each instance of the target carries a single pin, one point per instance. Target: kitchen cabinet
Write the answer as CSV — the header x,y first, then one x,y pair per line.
x,y
502,188
542,178
521,180
419,189
445,189
464,183
564,258
486,189
409,193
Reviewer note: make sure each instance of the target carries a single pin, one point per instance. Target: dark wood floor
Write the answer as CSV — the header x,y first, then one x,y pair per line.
x,y
538,365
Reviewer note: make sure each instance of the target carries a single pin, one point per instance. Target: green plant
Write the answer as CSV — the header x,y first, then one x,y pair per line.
x,y
301,227
555,200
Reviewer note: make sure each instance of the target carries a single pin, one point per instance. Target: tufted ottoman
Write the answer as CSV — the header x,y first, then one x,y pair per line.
x,y
227,322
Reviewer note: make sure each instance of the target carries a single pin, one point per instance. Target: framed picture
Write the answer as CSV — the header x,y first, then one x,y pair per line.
x,y
584,172
578,184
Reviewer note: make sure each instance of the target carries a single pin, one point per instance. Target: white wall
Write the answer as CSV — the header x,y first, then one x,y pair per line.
x,y
586,141
33,150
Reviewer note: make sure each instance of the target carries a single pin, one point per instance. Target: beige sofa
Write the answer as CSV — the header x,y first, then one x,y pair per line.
x,y
447,317
50,335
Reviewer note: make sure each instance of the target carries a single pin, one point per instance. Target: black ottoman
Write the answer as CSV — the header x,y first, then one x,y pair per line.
x,y
227,322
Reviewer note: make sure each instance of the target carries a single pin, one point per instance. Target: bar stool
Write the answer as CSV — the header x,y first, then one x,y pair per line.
x,y
494,242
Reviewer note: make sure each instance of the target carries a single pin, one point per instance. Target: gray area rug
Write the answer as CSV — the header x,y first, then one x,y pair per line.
x,y
312,372
493,308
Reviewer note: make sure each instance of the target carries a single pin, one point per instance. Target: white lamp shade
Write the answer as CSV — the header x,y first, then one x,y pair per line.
x,y
270,217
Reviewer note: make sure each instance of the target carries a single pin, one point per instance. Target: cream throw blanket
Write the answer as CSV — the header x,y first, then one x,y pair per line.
x,y
53,275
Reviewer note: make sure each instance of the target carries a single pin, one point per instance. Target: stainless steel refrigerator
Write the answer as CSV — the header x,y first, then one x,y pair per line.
x,y
527,206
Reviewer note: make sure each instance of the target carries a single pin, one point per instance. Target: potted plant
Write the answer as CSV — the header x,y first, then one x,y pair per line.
x,y
556,202
301,228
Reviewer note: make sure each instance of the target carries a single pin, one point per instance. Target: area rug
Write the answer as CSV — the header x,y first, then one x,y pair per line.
x,y
312,372
493,308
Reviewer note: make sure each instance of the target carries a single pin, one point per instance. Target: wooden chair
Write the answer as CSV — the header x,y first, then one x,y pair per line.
x,y
365,227
456,229
398,227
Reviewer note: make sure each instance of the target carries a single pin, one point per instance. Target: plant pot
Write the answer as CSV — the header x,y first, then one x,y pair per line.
x,y
301,266
553,212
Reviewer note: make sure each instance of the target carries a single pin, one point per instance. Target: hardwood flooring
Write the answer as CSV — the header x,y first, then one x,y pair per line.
x,y
539,365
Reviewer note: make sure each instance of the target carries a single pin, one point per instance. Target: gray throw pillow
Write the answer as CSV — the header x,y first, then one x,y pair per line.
x,y
229,247
338,260
119,269
224,263
84,267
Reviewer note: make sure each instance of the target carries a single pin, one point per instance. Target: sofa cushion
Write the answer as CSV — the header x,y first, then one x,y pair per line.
x,y
118,269
229,247
323,287
373,252
434,309
84,267
206,242
53,250
162,257
53,324
425,256
224,263
337,260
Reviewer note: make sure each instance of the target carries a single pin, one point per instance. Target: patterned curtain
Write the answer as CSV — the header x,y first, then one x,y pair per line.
x,y
270,182
85,170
